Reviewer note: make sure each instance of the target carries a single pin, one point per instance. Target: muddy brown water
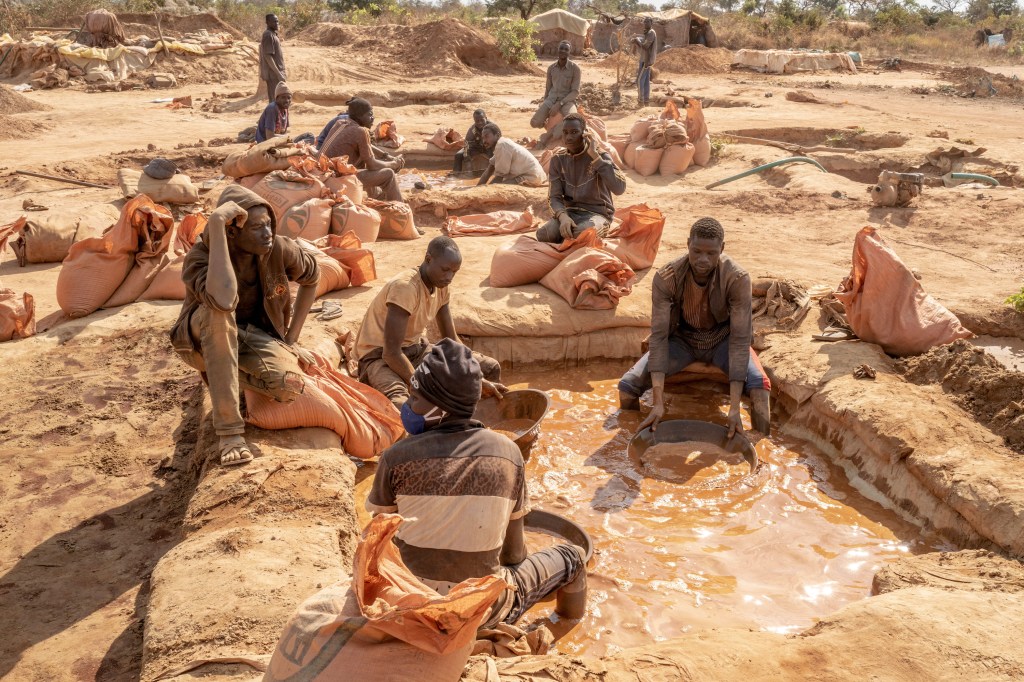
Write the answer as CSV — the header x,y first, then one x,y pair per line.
x,y
773,552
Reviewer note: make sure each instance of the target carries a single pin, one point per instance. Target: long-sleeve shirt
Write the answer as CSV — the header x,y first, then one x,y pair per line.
x,y
649,47
270,54
728,292
563,83
274,121
573,185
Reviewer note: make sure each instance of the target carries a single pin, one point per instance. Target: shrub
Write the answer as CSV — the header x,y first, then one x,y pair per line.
x,y
515,40
1017,301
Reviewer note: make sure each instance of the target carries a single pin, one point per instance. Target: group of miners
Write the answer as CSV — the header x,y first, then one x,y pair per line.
x,y
462,487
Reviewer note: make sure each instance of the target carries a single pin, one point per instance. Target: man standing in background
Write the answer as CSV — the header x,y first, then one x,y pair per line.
x,y
648,44
271,58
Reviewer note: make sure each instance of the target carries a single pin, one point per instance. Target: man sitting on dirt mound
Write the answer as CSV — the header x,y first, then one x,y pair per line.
x,y
462,488
581,183
560,92
274,120
351,138
237,325
392,338
701,313
511,163
474,143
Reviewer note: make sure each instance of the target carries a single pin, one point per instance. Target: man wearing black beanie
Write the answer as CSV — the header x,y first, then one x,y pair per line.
x,y
462,489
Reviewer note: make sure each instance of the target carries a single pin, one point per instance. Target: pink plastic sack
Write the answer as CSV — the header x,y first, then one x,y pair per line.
x,y
885,304
636,235
591,279
526,260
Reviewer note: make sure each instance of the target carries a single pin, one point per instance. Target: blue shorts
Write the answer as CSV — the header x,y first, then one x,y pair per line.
x,y
680,355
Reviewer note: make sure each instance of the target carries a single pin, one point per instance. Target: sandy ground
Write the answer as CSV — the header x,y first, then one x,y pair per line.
x,y
97,416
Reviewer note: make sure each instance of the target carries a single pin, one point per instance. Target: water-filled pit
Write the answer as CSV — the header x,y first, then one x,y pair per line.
x,y
684,547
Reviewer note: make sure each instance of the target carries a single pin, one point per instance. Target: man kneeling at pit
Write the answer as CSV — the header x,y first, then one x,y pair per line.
x,y
392,338
701,313
238,325
462,490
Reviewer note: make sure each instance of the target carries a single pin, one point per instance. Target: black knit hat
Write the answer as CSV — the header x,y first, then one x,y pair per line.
x,y
450,378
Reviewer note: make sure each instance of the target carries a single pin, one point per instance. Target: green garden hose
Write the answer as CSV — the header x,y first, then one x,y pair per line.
x,y
975,176
773,164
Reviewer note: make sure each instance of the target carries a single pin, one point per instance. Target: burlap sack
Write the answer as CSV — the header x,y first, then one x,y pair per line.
x,y
177,189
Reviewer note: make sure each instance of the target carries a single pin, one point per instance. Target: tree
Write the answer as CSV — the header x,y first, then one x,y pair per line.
x,y
525,8
950,6
1003,8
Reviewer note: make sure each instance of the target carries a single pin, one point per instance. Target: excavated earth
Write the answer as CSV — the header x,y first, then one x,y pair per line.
x,y
125,555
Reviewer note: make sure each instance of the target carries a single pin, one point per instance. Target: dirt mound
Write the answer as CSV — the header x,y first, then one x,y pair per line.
x,y
218,67
694,59
977,382
12,128
12,102
445,47
177,25
977,570
971,81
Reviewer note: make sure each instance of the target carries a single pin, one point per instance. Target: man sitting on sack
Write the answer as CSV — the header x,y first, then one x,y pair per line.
x,y
462,489
351,138
701,313
474,143
274,121
392,338
511,163
238,325
561,89
581,183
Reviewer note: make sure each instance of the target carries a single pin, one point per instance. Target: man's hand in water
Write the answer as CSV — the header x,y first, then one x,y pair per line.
x,y
654,418
489,389
230,212
735,422
566,226
305,357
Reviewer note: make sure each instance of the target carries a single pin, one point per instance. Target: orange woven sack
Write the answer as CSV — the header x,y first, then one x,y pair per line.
x,y
647,160
630,156
702,151
359,263
256,159
886,304
310,220
167,285
386,625
636,235
287,188
527,260
619,142
396,220
95,268
362,221
447,139
496,222
553,120
364,418
17,316
152,255
676,159
346,186
696,128
640,130
591,279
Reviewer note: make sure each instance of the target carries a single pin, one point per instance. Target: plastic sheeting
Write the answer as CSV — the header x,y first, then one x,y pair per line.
x,y
790,61
559,18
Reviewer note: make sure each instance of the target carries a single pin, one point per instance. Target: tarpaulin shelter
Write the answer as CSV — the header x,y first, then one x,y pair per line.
x,y
557,25
674,28
792,61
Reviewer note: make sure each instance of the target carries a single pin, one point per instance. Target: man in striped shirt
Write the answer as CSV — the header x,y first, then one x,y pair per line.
x,y
462,489
701,312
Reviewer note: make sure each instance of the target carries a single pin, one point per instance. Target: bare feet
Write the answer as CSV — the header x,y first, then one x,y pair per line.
x,y
234,451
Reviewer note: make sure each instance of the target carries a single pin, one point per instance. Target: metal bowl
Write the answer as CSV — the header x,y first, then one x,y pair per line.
x,y
556,524
681,430
527,403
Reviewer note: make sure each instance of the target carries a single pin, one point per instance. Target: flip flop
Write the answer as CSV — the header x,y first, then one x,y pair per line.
x,y
243,449
834,334
331,311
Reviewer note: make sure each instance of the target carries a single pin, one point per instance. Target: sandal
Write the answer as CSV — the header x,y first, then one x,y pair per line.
x,y
331,311
834,333
243,450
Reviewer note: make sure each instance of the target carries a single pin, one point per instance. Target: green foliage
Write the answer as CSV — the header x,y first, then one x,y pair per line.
x,y
1003,8
897,17
525,8
515,40
1017,301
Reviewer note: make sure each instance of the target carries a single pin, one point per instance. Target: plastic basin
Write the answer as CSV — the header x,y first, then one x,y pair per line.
x,y
556,524
522,410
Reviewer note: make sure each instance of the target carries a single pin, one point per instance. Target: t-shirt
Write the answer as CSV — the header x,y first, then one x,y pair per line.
x,y
408,291
270,52
515,161
459,484
348,139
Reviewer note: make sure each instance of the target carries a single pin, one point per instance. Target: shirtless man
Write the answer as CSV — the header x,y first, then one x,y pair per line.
x,y
233,329
351,138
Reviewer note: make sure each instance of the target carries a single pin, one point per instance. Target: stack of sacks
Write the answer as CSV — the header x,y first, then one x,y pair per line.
x,y
588,272
313,196
47,237
600,132
666,145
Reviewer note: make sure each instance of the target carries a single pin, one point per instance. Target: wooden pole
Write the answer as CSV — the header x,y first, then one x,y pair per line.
x,y
57,178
